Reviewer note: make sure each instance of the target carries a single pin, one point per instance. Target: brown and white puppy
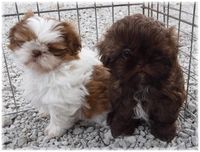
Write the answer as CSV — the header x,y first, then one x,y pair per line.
x,y
147,80
60,78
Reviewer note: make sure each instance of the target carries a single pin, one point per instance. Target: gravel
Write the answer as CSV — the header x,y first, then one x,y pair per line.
x,y
25,130
7,121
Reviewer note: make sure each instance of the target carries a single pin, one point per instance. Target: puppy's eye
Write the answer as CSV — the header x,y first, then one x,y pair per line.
x,y
19,43
126,53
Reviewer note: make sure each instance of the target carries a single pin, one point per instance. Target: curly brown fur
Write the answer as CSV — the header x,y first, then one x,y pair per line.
x,y
147,80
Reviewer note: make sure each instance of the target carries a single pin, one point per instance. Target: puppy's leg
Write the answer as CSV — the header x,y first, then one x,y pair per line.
x,y
59,122
43,112
53,130
165,132
121,118
162,118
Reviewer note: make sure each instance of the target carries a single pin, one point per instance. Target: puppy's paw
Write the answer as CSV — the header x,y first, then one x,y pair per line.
x,y
54,131
164,132
123,127
43,114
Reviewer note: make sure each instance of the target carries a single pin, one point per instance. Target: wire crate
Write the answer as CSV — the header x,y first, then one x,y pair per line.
x,y
181,15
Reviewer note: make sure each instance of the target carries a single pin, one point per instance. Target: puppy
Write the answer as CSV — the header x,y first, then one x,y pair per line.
x,y
60,78
147,81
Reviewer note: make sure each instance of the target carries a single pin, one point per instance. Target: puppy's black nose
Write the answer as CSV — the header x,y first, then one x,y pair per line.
x,y
36,53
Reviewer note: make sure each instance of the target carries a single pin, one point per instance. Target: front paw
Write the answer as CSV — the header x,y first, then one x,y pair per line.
x,y
125,128
165,132
54,131
43,114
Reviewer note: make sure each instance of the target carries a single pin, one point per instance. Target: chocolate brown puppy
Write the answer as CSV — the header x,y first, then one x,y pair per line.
x,y
147,79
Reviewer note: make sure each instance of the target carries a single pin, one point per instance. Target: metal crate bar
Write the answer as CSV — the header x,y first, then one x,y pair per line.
x,y
179,19
80,8
78,19
170,16
191,48
17,11
9,79
38,10
113,13
11,113
187,73
167,14
164,12
58,10
95,10
157,11
188,55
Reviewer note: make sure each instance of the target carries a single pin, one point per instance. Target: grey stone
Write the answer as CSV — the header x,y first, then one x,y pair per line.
x,y
33,137
21,141
194,141
107,137
179,141
35,132
183,135
115,145
40,133
147,144
191,107
142,133
124,144
24,130
131,139
189,131
6,140
7,121
141,128
150,136
141,139
90,129
34,143
77,131
181,146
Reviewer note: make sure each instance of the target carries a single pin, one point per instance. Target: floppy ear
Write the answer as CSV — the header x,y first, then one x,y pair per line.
x,y
105,55
71,38
18,32
173,38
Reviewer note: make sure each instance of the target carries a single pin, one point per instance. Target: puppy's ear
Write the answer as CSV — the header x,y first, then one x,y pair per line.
x,y
71,38
105,56
173,39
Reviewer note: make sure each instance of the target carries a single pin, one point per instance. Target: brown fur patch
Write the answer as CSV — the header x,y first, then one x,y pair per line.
x,y
71,38
68,57
98,92
20,34
69,48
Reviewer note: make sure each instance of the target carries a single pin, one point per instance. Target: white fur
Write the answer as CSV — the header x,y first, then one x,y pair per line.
x,y
139,112
47,61
45,29
61,92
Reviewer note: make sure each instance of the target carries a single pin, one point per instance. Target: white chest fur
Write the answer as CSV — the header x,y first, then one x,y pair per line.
x,y
139,112
63,88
